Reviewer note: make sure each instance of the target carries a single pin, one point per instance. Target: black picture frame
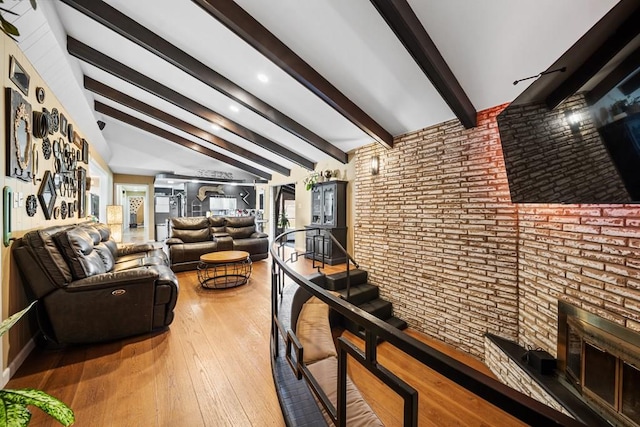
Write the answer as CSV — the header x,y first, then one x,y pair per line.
x,y
82,192
85,151
47,194
19,76
63,124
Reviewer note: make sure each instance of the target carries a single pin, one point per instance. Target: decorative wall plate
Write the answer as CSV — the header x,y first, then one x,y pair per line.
x,y
40,94
32,205
63,210
40,124
47,194
55,117
46,148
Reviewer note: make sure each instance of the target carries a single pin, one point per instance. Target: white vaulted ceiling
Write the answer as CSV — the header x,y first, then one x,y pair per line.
x,y
487,45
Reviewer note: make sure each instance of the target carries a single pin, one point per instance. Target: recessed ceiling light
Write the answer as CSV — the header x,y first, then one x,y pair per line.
x,y
215,126
263,78
234,108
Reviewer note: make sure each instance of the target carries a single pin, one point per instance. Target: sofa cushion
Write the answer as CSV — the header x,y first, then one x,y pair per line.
x,y
314,332
104,230
189,223
241,232
105,255
217,221
192,236
240,221
76,245
46,250
359,413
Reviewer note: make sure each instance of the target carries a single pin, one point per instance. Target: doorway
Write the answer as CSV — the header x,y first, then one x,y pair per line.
x,y
284,212
134,198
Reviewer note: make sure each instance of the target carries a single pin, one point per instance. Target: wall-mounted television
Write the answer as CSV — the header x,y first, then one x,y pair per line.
x,y
574,136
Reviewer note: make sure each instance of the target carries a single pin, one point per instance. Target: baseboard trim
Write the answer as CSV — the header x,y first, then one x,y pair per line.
x,y
17,362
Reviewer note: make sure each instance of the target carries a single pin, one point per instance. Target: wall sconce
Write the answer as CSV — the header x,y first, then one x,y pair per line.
x,y
115,218
574,119
375,165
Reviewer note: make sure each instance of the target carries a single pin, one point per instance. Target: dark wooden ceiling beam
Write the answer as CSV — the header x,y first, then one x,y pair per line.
x,y
410,31
148,127
118,69
609,47
255,34
128,101
130,29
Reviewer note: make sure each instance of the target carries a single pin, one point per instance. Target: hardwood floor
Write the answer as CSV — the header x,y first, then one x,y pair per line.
x,y
212,368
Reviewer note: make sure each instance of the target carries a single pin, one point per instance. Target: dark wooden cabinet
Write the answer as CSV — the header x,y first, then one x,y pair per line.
x,y
328,215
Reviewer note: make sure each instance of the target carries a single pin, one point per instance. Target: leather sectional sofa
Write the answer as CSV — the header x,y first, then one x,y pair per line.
x,y
90,289
192,237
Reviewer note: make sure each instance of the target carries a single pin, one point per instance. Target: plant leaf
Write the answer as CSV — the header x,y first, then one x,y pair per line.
x,y
13,319
47,403
13,415
8,27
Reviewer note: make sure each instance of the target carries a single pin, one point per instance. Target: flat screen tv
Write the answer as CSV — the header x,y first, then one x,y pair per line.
x,y
574,136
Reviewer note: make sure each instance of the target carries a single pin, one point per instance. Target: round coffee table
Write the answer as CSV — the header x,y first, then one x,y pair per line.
x,y
224,269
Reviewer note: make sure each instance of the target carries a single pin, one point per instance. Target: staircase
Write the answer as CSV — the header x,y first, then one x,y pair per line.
x,y
362,294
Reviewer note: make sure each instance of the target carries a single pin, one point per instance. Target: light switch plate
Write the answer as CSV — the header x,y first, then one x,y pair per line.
x,y
16,199
20,199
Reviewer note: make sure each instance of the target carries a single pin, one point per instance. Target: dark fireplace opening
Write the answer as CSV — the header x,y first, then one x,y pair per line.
x,y
601,359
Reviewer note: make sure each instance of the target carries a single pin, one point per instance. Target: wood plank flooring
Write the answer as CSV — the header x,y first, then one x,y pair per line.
x,y
212,368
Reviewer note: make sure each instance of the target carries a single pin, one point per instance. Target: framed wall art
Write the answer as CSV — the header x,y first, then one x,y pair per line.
x,y
19,76
82,192
63,124
47,194
85,151
19,142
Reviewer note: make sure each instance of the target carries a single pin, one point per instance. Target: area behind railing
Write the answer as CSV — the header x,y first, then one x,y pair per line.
x,y
299,392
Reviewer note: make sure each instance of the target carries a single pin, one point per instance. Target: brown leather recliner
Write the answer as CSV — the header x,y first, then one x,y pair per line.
x,y
192,237
89,289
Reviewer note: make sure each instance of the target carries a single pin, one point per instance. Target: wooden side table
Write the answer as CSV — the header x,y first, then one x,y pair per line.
x,y
224,269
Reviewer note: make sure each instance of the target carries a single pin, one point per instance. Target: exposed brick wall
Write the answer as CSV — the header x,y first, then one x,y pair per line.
x,y
545,160
587,255
515,377
438,234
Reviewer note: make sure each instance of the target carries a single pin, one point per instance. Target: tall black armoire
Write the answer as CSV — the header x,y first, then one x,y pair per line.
x,y
328,214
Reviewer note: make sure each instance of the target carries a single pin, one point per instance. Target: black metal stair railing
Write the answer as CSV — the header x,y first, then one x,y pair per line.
x,y
520,406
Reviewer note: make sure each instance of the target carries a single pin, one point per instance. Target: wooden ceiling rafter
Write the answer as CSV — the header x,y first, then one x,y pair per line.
x,y
627,31
143,37
260,38
120,70
137,105
409,30
165,134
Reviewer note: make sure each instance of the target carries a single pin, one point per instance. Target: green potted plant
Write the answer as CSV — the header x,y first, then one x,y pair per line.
x,y
13,403
311,179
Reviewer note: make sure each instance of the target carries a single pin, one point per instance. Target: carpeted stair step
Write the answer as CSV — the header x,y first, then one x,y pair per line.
x,y
338,281
378,307
360,294
397,322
